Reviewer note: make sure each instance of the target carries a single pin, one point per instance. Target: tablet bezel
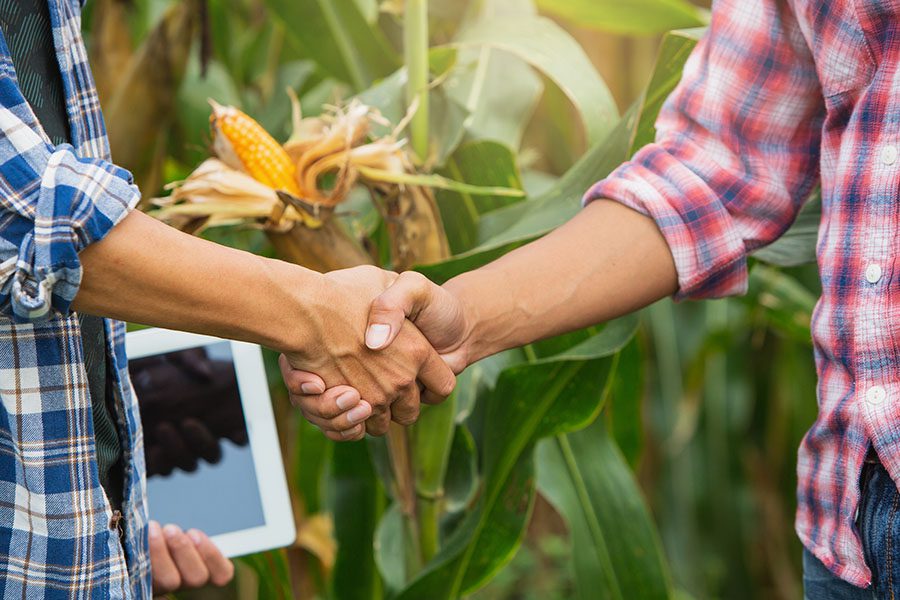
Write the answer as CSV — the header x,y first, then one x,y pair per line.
x,y
279,529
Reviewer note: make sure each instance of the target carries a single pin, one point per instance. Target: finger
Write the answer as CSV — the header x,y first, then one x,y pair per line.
x,y
350,435
333,403
201,440
429,397
165,574
405,409
299,382
221,570
175,446
436,376
343,422
408,295
191,567
378,423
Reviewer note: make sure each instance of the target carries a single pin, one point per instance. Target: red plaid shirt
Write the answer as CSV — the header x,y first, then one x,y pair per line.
x,y
779,96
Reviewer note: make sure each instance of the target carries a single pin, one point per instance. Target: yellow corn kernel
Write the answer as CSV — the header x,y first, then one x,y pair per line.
x,y
242,143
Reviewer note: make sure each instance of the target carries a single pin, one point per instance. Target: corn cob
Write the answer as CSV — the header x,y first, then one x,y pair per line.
x,y
243,144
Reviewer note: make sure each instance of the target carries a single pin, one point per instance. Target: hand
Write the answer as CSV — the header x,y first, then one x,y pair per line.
x,y
189,403
386,381
438,314
185,560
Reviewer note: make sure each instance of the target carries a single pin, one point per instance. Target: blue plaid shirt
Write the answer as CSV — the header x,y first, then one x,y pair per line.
x,y
58,537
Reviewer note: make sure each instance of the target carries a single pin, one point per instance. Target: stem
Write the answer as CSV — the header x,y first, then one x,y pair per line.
x,y
415,42
405,494
428,512
431,440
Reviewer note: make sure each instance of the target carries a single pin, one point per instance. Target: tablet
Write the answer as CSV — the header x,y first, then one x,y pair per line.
x,y
210,444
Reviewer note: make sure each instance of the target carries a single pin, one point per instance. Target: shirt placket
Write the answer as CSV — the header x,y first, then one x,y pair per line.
x,y
876,388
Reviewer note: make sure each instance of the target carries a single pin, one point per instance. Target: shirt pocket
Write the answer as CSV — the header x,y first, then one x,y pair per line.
x,y
840,47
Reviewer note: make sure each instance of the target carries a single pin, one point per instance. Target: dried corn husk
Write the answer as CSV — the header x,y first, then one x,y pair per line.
x,y
332,154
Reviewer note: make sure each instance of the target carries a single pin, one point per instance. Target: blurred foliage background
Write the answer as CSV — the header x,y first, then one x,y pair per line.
x,y
708,401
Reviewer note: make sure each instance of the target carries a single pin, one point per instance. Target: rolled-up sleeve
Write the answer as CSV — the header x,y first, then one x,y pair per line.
x,y
53,204
737,147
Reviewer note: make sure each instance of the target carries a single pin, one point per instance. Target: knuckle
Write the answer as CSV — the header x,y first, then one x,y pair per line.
x,y
178,542
407,417
415,279
293,383
379,403
376,427
326,409
420,352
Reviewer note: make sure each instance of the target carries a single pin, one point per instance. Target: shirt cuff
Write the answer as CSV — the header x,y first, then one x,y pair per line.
x,y
80,201
710,255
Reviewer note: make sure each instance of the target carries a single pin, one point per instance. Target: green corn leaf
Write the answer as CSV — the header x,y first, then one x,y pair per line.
x,y
338,37
629,17
614,544
437,181
551,50
356,499
530,401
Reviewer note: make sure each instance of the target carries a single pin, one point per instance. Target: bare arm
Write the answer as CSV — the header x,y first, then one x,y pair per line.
x,y
606,262
147,272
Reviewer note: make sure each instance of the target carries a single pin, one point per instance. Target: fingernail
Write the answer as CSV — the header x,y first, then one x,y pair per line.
x,y
171,530
377,335
360,413
195,536
349,433
346,400
155,530
312,388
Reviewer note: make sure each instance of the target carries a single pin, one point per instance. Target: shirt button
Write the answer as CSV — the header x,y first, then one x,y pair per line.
x,y
889,155
876,394
873,273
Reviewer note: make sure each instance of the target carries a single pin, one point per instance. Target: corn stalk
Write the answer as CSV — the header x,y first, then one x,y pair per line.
x,y
141,101
251,180
111,51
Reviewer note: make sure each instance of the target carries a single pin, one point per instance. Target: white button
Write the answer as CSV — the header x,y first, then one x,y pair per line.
x,y
889,155
876,394
873,273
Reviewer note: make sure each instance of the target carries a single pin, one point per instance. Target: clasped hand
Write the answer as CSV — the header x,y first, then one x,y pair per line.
x,y
356,380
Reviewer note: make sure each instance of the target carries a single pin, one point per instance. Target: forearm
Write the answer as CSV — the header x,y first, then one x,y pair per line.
x,y
606,262
147,272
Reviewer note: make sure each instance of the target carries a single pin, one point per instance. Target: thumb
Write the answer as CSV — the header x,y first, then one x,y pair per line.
x,y
409,295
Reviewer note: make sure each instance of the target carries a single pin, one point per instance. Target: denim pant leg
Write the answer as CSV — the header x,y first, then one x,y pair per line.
x,y
879,528
820,584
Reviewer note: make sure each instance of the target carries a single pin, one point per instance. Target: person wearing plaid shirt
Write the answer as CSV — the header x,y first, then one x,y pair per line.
x,y
72,245
779,96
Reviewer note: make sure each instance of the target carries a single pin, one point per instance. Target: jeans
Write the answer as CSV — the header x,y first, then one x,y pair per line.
x,y
879,528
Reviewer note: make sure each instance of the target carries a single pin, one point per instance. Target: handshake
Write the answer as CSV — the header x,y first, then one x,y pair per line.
x,y
385,343
368,346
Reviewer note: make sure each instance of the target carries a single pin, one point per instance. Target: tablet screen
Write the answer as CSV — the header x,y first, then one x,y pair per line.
x,y
200,470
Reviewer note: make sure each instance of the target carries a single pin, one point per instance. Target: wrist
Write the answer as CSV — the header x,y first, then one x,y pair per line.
x,y
298,299
472,341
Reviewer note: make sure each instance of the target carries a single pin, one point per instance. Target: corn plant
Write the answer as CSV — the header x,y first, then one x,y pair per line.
x,y
436,510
